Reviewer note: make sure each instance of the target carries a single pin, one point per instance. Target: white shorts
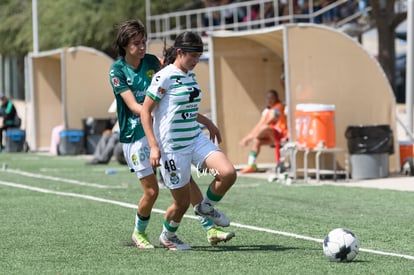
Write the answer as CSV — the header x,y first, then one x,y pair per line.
x,y
137,157
176,166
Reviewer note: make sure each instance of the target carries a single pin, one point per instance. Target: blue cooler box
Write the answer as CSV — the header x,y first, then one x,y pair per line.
x,y
72,142
15,139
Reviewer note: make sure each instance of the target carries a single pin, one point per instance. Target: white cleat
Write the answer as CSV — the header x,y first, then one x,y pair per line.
x,y
209,212
173,243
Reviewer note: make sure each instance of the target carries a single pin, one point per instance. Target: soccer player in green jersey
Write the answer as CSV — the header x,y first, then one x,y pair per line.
x,y
130,76
175,137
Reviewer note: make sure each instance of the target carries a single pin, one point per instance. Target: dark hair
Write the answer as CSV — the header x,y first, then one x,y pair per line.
x,y
275,94
187,41
126,31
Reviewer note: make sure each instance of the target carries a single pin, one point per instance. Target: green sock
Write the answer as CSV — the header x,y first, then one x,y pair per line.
x,y
170,228
252,158
206,222
211,198
141,223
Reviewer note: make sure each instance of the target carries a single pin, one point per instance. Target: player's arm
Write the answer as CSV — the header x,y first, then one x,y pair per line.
x,y
211,127
146,120
272,116
120,85
130,100
155,93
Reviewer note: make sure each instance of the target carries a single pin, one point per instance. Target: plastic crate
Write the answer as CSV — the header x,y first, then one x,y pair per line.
x,y
72,142
15,139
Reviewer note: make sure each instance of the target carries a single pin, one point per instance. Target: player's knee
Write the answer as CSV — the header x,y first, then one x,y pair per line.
x,y
152,193
228,175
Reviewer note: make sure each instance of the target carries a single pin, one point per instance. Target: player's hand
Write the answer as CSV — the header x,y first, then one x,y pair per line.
x,y
155,157
214,132
244,142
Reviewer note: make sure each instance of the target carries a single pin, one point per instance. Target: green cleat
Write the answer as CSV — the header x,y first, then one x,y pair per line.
x,y
141,240
216,235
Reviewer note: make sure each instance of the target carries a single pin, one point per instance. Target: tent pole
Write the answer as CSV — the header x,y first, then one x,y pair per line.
x,y
35,27
409,65
213,100
287,86
32,139
63,87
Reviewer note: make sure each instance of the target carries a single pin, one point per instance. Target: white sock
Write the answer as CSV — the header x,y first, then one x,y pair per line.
x,y
207,203
252,158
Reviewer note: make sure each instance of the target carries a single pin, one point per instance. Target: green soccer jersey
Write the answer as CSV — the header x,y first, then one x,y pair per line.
x,y
123,77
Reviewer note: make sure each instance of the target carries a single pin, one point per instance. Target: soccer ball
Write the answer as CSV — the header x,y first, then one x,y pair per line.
x,y
341,245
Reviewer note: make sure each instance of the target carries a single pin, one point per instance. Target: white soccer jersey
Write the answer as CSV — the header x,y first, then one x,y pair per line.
x,y
175,117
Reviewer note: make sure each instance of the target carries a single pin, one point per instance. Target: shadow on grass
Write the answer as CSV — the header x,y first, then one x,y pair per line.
x,y
229,248
249,248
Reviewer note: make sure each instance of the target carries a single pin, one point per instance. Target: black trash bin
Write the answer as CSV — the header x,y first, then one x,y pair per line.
x,y
369,147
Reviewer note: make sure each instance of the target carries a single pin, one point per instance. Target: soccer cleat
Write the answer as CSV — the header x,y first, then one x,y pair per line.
x,y
141,240
216,235
216,216
173,243
249,169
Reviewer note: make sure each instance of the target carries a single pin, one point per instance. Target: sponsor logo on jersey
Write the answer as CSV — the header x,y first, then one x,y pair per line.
x,y
188,115
140,94
193,94
129,81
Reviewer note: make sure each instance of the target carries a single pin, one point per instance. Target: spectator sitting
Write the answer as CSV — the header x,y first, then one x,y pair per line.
x,y
269,12
331,16
107,146
362,7
228,12
10,117
213,18
270,129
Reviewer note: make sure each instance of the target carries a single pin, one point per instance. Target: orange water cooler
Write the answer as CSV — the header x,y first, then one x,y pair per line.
x,y
406,151
315,125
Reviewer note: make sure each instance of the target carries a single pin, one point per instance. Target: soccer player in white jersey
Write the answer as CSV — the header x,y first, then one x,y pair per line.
x,y
175,137
130,75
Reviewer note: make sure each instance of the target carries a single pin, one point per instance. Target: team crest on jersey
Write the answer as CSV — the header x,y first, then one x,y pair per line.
x,y
134,159
161,91
150,73
115,81
174,179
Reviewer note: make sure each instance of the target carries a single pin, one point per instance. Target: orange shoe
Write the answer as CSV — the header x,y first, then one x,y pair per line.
x,y
249,169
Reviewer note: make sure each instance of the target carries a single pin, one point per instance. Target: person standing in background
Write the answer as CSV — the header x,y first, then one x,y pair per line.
x,y
10,117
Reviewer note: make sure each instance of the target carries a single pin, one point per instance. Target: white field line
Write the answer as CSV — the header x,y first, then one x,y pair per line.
x,y
76,182
249,227
248,185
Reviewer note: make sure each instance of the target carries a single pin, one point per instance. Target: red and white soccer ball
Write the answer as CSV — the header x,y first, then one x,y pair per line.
x,y
341,245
